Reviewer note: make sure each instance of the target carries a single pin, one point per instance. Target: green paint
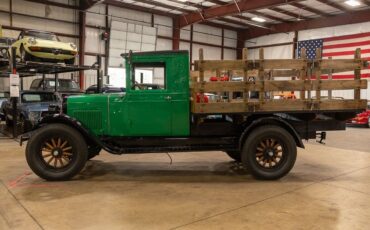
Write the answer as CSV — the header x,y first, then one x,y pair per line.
x,y
161,112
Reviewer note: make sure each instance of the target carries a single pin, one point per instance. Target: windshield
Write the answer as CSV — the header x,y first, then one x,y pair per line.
x,y
38,97
4,95
66,84
42,35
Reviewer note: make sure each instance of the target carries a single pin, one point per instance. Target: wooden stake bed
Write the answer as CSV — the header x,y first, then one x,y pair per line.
x,y
246,77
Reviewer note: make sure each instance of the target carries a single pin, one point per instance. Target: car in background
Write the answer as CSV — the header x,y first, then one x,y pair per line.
x,y
48,84
5,43
31,107
4,97
361,119
34,45
147,86
105,89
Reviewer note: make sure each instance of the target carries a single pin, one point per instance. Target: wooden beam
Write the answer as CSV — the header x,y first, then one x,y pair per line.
x,y
278,106
335,20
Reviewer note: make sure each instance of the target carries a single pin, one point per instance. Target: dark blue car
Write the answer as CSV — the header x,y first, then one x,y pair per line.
x,y
4,97
31,106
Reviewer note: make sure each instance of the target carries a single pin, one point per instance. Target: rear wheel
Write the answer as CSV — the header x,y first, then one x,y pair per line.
x,y
56,152
269,152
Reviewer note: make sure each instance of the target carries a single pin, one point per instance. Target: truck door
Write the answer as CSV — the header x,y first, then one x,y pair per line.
x,y
149,100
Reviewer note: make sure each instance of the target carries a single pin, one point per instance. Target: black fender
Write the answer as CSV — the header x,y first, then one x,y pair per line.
x,y
67,120
271,121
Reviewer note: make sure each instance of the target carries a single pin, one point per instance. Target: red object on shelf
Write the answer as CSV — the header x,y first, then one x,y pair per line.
x,y
223,78
199,96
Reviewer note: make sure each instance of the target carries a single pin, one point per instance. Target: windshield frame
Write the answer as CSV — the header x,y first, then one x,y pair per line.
x,y
36,35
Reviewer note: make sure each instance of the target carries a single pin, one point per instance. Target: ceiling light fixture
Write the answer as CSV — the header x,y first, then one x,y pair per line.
x,y
352,3
258,19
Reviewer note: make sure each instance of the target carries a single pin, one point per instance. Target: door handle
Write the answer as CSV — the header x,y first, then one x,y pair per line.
x,y
168,98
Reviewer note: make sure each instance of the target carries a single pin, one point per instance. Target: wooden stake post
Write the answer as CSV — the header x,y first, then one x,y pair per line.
x,y
297,68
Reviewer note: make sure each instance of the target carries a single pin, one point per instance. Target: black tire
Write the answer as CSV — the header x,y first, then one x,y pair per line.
x,y
93,151
70,61
235,155
46,141
274,160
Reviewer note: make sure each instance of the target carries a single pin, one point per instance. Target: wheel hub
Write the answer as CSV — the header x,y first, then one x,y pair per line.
x,y
57,152
269,153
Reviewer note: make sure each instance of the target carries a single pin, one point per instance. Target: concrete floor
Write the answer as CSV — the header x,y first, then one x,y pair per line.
x,y
329,188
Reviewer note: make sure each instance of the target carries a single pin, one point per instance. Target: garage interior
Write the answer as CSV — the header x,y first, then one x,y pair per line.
x,y
328,188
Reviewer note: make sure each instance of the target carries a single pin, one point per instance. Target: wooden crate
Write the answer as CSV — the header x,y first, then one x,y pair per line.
x,y
268,77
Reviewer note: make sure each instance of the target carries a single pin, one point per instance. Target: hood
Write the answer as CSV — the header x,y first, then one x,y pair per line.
x,y
37,106
53,44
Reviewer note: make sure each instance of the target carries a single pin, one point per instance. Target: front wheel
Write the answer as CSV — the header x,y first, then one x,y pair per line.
x,y
269,152
56,152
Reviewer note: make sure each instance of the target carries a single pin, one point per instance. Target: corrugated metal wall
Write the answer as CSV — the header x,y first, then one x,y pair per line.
x,y
65,21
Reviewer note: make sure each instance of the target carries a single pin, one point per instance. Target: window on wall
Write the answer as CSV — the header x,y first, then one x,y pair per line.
x,y
117,77
148,76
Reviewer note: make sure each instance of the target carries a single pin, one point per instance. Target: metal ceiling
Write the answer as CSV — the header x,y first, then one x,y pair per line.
x,y
238,14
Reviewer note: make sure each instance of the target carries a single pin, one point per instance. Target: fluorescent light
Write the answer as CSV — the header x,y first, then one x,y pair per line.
x,y
258,19
183,0
352,3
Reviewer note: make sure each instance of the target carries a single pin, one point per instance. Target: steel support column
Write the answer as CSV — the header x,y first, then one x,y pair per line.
x,y
82,24
176,34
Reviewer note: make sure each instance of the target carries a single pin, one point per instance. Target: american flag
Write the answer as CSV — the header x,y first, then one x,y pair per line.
x,y
341,47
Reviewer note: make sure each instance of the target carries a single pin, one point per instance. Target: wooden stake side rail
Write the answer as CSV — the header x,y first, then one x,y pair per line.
x,y
263,73
278,106
279,85
214,65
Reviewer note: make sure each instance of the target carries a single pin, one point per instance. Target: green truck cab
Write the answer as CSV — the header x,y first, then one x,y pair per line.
x,y
163,111
157,117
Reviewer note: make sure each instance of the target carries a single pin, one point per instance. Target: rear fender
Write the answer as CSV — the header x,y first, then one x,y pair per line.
x,y
271,121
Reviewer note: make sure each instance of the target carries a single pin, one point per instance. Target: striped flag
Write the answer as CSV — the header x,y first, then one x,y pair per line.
x,y
341,47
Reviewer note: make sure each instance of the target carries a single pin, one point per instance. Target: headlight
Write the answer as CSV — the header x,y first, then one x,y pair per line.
x,y
32,41
34,117
73,46
4,52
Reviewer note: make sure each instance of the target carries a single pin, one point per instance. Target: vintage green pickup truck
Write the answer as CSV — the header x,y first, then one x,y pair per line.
x,y
261,133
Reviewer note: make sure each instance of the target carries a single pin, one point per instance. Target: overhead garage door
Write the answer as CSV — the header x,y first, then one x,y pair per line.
x,y
127,36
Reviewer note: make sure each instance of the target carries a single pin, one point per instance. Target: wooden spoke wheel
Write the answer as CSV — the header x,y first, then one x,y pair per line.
x,y
57,152
269,152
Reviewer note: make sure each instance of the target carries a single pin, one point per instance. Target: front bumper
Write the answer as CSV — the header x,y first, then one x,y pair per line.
x,y
50,53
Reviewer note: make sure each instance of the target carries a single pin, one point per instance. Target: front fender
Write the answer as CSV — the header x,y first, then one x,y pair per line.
x,y
67,120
